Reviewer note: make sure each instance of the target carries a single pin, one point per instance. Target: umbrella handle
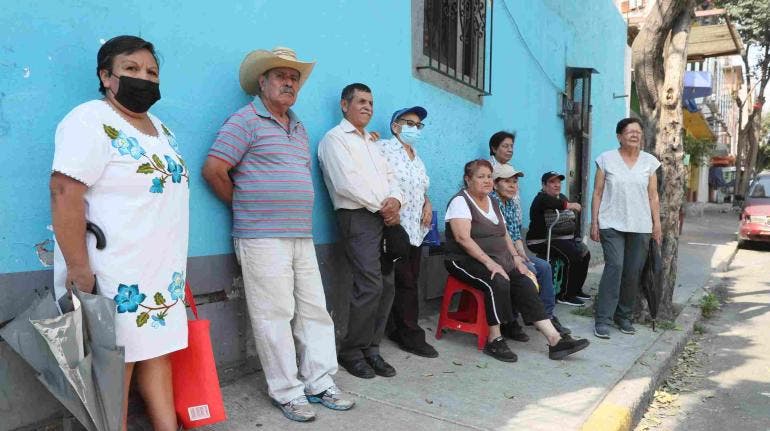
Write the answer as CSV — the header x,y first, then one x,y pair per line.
x,y
190,299
101,240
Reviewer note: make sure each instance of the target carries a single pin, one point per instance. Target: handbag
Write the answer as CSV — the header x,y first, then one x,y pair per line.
x,y
565,225
197,394
395,242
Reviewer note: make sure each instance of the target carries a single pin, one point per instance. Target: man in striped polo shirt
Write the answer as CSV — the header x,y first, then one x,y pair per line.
x,y
260,165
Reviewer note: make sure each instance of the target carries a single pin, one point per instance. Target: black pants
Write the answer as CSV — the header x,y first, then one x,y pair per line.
x,y
402,324
370,301
576,259
500,295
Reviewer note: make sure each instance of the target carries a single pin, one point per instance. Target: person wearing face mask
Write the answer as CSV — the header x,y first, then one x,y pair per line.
x,y
416,214
120,167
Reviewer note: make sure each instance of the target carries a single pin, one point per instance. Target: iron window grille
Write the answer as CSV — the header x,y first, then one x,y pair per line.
x,y
455,41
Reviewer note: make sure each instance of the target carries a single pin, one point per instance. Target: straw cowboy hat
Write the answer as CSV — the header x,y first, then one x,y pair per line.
x,y
260,61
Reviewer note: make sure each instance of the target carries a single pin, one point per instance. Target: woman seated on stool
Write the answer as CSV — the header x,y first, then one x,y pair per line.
x,y
481,254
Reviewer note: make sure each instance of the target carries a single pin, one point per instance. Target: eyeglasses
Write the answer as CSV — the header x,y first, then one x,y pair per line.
x,y
411,123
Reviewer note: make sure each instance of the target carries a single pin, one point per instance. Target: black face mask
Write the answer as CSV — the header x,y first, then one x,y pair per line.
x,y
137,95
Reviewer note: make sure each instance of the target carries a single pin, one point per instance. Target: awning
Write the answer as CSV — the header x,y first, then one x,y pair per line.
x,y
713,41
696,125
696,84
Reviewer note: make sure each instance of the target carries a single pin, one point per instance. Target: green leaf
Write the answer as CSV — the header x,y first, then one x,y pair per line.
x,y
145,168
165,129
110,131
158,161
159,299
181,162
142,319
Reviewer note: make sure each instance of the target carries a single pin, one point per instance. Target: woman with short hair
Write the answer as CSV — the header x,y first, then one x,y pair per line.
x,y
120,167
481,254
625,212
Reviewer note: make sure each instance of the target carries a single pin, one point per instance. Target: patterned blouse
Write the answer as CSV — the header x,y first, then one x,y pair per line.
x,y
414,182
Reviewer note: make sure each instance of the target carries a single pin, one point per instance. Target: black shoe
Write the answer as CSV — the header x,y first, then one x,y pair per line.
x,y
424,349
380,367
499,350
566,346
563,330
514,331
358,367
571,300
584,296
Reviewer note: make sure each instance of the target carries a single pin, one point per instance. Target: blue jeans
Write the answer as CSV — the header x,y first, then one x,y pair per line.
x,y
542,270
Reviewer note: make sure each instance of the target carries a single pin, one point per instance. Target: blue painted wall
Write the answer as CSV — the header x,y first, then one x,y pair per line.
x,y
47,66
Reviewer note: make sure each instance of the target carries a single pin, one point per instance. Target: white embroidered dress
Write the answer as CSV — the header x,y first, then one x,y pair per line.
x,y
414,182
138,194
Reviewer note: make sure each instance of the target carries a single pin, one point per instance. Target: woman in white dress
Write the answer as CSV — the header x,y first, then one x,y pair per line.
x,y
118,166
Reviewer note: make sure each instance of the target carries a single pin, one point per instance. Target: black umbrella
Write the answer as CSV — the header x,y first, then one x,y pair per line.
x,y
652,280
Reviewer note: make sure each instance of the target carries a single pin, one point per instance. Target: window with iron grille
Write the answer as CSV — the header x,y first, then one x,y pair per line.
x,y
454,49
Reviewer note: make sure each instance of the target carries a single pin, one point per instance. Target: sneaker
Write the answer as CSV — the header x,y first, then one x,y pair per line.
x,y
563,330
584,296
566,346
572,300
332,398
625,326
602,330
297,409
514,331
499,350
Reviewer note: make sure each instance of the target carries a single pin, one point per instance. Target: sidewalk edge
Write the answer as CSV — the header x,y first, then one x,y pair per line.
x,y
626,402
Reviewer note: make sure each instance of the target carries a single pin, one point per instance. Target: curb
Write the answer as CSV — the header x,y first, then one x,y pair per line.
x,y
626,402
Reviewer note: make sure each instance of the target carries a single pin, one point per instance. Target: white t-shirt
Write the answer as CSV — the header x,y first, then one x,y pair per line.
x,y
625,203
458,208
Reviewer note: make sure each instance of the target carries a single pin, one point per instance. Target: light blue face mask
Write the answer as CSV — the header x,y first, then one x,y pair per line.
x,y
411,135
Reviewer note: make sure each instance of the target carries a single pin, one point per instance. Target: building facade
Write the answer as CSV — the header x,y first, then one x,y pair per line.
x,y
540,61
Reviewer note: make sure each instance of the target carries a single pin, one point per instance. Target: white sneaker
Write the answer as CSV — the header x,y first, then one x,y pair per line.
x,y
332,398
297,409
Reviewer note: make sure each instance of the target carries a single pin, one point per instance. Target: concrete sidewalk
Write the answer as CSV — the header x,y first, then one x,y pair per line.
x,y
465,389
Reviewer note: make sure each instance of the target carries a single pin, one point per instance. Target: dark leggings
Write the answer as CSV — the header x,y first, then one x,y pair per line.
x,y
576,259
500,295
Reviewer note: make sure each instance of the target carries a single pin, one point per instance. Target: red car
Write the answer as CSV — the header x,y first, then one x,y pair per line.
x,y
755,217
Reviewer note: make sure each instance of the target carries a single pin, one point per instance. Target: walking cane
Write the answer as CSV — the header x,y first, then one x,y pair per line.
x,y
550,227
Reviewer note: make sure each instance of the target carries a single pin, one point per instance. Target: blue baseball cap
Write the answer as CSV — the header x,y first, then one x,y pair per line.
x,y
417,110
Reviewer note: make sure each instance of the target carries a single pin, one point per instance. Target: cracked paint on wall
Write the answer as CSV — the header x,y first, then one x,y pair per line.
x,y
44,250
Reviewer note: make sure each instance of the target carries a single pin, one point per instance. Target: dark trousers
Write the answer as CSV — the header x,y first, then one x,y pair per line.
x,y
500,295
576,260
369,306
402,324
624,256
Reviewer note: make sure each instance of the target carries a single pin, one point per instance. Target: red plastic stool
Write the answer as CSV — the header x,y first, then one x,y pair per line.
x,y
470,315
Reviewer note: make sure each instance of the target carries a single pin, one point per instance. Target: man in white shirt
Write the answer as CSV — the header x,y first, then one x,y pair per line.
x,y
366,197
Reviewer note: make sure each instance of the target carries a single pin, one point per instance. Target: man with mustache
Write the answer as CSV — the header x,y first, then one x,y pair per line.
x,y
260,165
366,196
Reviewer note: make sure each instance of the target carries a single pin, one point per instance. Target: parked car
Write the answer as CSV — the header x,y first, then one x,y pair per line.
x,y
755,214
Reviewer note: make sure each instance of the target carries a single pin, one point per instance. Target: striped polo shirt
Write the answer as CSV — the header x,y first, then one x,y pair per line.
x,y
272,187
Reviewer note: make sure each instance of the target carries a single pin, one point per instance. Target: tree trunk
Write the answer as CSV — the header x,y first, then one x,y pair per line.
x,y
659,86
748,142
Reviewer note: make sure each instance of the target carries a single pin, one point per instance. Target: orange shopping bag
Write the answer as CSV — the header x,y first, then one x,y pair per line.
x,y
197,396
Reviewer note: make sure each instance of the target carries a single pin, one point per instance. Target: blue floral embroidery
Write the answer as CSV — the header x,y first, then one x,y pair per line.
x,y
159,320
157,185
174,169
176,288
171,140
128,298
124,144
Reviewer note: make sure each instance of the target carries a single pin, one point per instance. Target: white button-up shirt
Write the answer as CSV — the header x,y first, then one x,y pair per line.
x,y
356,173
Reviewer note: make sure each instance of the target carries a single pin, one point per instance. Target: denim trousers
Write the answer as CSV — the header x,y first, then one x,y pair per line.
x,y
544,274
287,308
624,256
